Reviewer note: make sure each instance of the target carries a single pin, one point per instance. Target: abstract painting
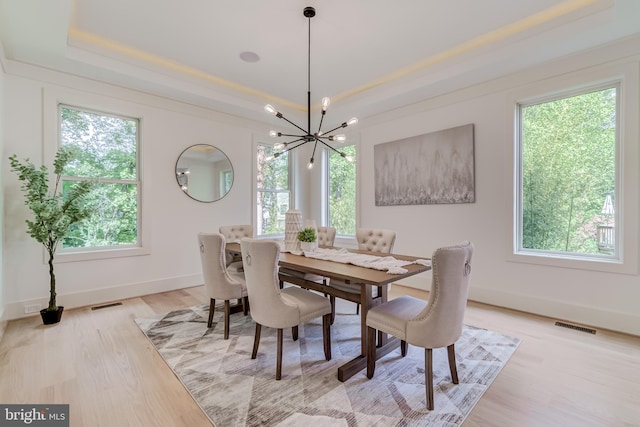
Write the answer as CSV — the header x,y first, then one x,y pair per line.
x,y
434,168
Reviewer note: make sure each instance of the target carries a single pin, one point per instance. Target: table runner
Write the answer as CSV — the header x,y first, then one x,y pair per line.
x,y
388,263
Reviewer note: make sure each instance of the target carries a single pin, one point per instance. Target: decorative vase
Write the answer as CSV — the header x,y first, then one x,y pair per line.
x,y
293,224
51,317
308,246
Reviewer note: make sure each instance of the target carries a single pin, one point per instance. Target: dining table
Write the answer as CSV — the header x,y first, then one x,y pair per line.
x,y
369,279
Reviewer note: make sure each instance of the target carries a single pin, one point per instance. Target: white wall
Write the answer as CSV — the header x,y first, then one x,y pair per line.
x,y
173,219
560,290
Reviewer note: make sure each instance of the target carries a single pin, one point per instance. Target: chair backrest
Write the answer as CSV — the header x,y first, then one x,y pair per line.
x,y
326,236
234,233
217,281
377,240
440,323
260,259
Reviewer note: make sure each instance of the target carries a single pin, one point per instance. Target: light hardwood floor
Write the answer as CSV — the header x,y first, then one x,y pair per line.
x,y
102,365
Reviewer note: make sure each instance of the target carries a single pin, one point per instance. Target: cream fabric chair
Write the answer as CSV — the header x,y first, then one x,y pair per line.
x,y
276,308
326,236
235,233
429,324
368,239
218,282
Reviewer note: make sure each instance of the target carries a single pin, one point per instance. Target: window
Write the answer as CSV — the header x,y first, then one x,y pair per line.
x,y
107,148
342,191
273,191
567,174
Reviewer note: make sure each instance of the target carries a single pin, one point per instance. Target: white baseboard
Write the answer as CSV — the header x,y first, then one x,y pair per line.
x,y
99,296
583,315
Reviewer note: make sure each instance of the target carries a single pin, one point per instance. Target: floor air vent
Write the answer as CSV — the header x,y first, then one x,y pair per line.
x,y
576,327
113,304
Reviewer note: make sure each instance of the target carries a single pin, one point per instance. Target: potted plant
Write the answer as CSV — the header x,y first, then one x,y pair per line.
x,y
307,238
54,213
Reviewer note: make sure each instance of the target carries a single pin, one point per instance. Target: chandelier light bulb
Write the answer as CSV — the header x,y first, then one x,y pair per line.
x,y
352,121
325,103
273,133
268,158
278,146
339,138
350,159
270,109
310,164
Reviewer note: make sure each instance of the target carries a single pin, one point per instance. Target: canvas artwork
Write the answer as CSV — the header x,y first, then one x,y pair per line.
x,y
434,168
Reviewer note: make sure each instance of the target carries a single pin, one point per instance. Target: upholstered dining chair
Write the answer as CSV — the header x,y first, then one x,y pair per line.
x,y
234,233
279,308
368,239
218,282
429,324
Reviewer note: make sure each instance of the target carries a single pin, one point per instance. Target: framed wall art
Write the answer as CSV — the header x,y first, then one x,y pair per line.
x,y
434,168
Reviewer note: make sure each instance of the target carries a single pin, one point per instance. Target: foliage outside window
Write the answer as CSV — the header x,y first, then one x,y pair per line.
x,y
107,148
568,174
273,191
342,191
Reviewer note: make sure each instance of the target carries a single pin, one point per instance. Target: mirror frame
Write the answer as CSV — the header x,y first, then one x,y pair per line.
x,y
182,171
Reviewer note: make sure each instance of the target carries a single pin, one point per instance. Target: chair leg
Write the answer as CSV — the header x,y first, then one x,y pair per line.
x,y
212,305
332,300
294,332
428,377
371,351
227,309
452,363
281,284
357,308
256,341
326,335
403,348
245,305
279,356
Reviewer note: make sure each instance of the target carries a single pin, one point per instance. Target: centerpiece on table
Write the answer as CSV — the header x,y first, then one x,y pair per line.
x,y
307,238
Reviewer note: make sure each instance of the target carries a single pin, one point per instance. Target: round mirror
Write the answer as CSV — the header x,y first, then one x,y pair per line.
x,y
204,173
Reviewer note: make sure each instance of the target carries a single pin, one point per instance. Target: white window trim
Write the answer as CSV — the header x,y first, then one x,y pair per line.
x,y
342,240
254,185
627,176
52,97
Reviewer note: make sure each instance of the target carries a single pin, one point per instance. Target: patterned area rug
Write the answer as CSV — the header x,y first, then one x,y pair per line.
x,y
234,390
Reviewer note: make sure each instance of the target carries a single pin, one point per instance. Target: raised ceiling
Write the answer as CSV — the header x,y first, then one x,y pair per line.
x,y
370,56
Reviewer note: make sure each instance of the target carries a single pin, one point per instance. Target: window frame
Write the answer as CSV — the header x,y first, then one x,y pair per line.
x,y
254,204
53,98
625,76
327,187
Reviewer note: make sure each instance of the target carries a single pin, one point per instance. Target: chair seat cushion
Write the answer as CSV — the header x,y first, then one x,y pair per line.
x,y
392,316
235,267
310,305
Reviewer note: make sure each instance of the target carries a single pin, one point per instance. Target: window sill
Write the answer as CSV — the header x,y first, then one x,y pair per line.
x,y
603,264
89,255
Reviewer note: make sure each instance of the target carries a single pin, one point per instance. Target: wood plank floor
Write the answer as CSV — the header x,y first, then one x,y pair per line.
x,y
100,363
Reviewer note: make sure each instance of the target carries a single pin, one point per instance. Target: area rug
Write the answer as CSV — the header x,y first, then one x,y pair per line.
x,y
234,390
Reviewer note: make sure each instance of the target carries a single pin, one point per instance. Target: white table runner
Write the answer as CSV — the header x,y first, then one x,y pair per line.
x,y
388,263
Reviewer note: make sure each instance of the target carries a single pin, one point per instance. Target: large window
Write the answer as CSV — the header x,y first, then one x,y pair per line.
x,y
568,168
273,191
342,191
107,148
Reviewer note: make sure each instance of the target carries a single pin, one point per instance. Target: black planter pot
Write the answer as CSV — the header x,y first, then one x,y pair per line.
x,y
51,317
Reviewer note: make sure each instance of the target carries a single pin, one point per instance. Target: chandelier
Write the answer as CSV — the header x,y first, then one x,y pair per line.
x,y
319,136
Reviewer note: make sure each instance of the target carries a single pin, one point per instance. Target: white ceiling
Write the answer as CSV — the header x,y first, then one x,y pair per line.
x,y
369,56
